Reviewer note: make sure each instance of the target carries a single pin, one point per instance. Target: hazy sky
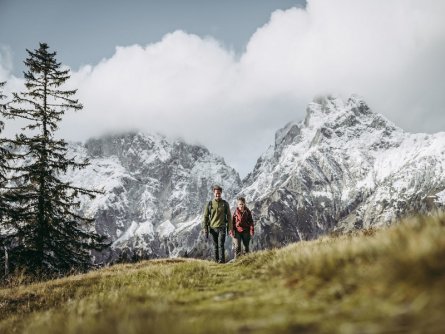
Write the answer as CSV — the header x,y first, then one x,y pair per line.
x,y
228,74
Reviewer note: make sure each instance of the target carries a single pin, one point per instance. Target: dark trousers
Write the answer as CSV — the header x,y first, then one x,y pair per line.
x,y
219,237
244,238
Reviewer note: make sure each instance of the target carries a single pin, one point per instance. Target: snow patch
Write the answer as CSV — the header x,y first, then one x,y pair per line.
x,y
441,197
165,229
139,229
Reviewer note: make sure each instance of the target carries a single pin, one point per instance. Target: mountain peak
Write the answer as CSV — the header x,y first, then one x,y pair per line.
x,y
326,109
344,166
337,121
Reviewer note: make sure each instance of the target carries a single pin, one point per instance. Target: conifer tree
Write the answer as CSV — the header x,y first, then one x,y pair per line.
x,y
3,158
51,236
5,210
2,152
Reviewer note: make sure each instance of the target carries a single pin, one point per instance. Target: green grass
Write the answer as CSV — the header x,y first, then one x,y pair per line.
x,y
375,281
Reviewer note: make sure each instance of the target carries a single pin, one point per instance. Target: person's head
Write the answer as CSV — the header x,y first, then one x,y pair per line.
x,y
241,203
217,191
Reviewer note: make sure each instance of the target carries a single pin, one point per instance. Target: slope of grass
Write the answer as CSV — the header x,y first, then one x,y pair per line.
x,y
390,280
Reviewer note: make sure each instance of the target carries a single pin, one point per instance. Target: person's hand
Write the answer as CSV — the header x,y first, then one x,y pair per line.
x,y
231,233
251,233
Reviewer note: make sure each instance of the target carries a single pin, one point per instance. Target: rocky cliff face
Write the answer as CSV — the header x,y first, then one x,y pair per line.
x,y
342,167
154,193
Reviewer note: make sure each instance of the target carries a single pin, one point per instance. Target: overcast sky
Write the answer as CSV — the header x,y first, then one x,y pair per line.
x,y
228,74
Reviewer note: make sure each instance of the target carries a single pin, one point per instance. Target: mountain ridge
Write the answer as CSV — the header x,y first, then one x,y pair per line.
x,y
342,167
334,169
152,188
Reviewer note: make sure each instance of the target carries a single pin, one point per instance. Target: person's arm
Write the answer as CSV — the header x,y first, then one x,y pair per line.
x,y
205,220
252,228
232,231
229,219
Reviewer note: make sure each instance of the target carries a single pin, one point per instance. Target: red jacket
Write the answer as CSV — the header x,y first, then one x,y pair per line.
x,y
243,221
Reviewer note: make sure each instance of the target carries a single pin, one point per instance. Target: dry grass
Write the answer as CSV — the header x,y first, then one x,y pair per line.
x,y
387,281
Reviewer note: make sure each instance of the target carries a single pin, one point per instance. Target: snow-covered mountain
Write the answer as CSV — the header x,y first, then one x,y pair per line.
x,y
154,192
342,167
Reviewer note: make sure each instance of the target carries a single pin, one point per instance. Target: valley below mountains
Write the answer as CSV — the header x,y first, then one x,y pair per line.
x,y
343,167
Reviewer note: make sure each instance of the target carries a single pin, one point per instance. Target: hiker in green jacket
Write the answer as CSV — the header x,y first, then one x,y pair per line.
x,y
218,221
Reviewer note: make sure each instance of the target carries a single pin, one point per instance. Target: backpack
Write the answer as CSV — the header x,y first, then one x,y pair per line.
x,y
226,205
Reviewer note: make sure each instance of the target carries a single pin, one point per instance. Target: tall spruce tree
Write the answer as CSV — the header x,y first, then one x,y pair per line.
x,y
2,151
3,161
51,237
5,208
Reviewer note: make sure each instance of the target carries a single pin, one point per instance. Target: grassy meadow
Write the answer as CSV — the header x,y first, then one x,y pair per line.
x,y
374,281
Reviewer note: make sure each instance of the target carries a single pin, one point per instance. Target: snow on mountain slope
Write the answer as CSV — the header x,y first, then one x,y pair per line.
x,y
154,192
342,167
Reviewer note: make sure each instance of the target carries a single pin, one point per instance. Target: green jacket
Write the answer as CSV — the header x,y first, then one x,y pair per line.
x,y
219,215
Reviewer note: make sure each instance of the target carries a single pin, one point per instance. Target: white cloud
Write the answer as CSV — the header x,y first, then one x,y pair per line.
x,y
5,62
390,52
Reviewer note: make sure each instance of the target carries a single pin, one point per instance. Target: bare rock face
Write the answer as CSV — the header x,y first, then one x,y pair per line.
x,y
342,167
154,194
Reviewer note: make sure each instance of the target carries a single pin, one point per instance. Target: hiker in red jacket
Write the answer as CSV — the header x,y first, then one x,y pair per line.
x,y
243,228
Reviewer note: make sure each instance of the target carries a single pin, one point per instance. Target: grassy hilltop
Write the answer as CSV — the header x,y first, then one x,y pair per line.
x,y
390,280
